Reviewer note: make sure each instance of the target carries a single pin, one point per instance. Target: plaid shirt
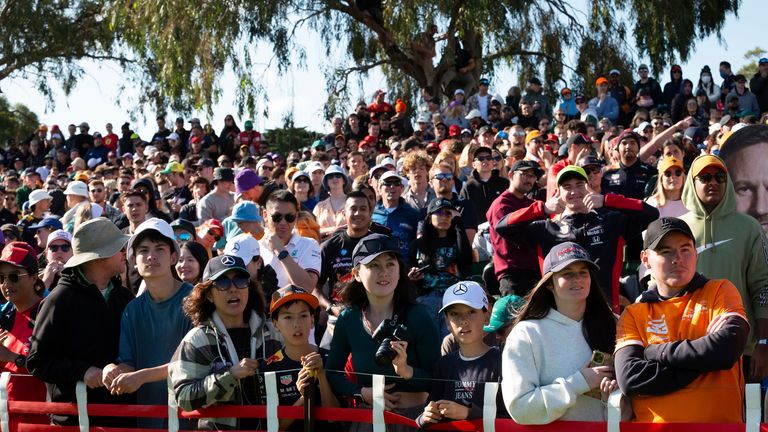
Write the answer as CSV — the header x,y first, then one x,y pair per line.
x,y
198,374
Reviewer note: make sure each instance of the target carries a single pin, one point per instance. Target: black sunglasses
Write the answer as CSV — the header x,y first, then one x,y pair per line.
x,y
13,277
677,173
289,217
720,177
64,248
224,283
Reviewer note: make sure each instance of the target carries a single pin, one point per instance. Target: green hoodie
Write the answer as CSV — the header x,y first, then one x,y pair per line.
x,y
731,246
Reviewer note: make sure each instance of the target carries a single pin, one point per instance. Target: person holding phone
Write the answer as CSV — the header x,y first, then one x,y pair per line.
x,y
546,364
217,361
442,256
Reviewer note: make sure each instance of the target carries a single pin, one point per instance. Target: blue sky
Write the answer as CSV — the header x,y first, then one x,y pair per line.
x,y
93,99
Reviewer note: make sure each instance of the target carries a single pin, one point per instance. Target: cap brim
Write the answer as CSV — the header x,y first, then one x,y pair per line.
x,y
306,298
464,302
221,272
656,242
369,258
566,263
493,326
114,247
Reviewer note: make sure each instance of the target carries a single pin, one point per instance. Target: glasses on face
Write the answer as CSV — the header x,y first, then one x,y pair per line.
x,y
214,234
592,170
289,217
484,158
444,176
267,167
676,173
13,277
224,283
301,180
183,237
334,176
64,248
720,177
392,184
99,190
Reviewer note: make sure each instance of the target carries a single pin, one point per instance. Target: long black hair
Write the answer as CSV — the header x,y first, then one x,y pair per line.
x,y
598,324
425,244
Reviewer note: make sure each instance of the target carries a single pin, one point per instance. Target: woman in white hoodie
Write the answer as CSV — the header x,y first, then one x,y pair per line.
x,y
546,362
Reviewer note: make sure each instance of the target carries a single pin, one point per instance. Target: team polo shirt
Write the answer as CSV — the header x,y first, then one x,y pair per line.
x,y
714,397
305,251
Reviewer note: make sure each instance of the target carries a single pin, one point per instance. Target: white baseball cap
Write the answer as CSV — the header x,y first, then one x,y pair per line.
x,y
244,246
59,235
156,224
391,174
467,293
38,195
472,114
78,188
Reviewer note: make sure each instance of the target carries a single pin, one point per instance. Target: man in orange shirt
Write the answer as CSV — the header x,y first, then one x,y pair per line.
x,y
678,348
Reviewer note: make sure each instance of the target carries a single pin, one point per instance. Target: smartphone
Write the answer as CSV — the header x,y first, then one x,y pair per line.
x,y
421,269
600,358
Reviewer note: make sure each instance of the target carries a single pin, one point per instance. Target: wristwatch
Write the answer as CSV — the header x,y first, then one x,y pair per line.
x,y
282,255
20,361
762,342
358,398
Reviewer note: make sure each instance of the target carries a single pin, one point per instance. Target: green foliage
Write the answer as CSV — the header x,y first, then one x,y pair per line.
x,y
175,52
751,56
290,137
16,121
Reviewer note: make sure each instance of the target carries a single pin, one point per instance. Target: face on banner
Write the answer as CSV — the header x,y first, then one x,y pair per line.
x,y
744,155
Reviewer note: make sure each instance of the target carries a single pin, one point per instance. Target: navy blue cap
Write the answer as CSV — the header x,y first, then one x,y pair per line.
x,y
221,264
372,246
48,222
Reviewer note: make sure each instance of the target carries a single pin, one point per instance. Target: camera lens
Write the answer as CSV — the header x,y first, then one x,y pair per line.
x,y
385,353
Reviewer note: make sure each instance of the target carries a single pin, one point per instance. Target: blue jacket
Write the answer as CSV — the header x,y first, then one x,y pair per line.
x,y
608,108
403,222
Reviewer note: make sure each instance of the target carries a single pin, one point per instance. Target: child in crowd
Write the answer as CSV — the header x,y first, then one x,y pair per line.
x,y
503,316
297,363
458,390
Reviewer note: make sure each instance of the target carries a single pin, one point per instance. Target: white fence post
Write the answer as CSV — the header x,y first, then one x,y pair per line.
x,y
752,396
489,406
5,416
270,382
81,393
378,404
614,411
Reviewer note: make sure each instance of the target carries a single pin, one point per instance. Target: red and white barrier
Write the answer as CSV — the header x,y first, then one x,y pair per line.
x,y
376,416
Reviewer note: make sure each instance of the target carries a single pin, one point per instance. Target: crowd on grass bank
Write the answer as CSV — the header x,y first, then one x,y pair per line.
x,y
607,241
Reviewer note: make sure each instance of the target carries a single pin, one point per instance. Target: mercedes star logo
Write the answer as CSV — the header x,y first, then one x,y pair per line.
x,y
461,289
228,261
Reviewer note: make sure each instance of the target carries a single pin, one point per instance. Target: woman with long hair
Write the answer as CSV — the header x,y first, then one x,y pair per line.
x,y
379,304
442,256
547,372
329,212
217,361
301,186
192,261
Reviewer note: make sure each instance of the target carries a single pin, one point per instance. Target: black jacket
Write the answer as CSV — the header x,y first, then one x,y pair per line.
x,y
759,86
483,193
76,329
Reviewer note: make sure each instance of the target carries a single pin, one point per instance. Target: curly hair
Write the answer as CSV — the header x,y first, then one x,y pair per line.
x,y
199,308
415,159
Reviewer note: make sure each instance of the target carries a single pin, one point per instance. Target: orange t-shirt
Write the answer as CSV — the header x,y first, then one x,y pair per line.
x,y
714,397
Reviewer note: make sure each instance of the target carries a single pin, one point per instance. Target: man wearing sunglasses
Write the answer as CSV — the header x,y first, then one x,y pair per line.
x,y
295,259
485,184
732,246
443,182
393,212
57,252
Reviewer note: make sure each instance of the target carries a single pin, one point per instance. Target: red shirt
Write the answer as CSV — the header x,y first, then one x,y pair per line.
x,y
26,388
250,138
380,108
110,141
509,254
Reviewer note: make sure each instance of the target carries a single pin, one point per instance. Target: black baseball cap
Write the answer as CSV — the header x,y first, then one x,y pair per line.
x,y
663,226
591,161
206,163
482,149
221,264
440,203
372,246
185,225
523,165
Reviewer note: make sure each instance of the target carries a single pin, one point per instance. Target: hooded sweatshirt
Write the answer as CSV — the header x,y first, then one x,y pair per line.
x,y
731,246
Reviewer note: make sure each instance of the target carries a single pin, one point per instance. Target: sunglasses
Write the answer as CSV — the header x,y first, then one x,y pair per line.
x,y
443,176
64,248
213,234
488,158
593,170
301,180
392,184
334,176
676,173
289,217
267,168
224,283
183,237
720,177
13,277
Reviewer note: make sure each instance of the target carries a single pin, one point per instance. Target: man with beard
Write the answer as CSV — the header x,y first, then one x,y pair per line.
x,y
514,260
